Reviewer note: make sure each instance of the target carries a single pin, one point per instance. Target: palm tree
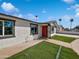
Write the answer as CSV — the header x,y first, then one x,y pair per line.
x,y
36,18
60,21
71,20
60,24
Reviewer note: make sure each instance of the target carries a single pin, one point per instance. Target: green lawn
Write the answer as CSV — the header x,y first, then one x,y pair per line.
x,y
63,38
67,53
42,50
45,50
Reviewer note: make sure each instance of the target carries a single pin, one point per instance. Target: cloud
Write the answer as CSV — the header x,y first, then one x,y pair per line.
x,y
18,15
75,8
44,11
8,7
66,17
51,18
30,16
69,1
77,14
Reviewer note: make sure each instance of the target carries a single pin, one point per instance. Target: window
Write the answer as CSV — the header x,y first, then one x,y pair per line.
x,y
52,28
7,28
1,27
9,25
34,29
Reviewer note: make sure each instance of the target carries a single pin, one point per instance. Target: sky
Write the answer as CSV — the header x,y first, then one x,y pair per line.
x,y
46,10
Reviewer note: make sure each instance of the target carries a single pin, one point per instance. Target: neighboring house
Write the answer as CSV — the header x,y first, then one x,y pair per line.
x,y
76,28
61,28
14,30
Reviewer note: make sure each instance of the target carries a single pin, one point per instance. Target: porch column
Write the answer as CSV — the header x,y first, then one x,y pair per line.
x,y
54,30
3,28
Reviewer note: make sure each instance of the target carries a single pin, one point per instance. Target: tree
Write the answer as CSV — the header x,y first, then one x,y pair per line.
x,y
36,18
60,24
76,28
71,20
60,21
66,29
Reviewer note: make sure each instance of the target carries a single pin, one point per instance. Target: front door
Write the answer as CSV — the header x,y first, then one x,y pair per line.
x,y
44,31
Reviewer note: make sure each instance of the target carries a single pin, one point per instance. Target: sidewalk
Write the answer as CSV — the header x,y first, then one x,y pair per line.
x,y
75,46
20,47
4,53
75,36
68,45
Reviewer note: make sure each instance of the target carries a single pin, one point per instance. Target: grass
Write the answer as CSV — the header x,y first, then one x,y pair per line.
x,y
42,50
45,50
63,38
67,53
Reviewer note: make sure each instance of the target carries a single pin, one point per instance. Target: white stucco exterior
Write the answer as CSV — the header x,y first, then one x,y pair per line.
x,y
22,32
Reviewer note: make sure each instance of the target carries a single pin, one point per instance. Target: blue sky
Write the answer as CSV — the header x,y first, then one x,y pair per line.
x,y
46,10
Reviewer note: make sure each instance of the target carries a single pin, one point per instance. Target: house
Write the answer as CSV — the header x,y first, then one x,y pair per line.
x,y
61,28
76,28
14,30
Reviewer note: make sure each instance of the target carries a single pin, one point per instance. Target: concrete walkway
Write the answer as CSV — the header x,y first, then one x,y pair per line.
x,y
4,53
59,43
75,46
75,36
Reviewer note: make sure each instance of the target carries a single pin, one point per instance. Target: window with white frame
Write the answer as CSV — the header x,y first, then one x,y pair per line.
x,y
7,27
34,29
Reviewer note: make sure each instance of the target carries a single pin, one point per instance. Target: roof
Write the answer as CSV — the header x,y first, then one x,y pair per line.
x,y
27,19
17,17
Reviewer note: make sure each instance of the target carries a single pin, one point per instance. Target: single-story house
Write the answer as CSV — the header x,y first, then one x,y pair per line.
x,y
14,30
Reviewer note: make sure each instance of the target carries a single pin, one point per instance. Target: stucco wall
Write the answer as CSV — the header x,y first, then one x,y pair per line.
x,y
22,33
40,31
54,32
49,31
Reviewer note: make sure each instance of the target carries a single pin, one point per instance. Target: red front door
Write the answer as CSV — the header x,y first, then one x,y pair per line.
x,y
44,31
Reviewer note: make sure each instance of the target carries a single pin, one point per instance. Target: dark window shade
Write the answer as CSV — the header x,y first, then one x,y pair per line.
x,y
34,29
